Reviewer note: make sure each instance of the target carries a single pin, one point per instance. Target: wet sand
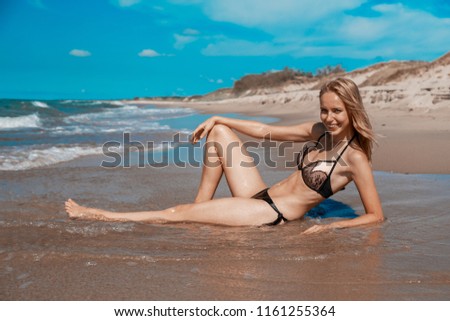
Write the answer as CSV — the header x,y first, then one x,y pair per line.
x,y
46,256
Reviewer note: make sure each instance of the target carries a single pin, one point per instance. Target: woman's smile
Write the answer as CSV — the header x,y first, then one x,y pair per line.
x,y
334,114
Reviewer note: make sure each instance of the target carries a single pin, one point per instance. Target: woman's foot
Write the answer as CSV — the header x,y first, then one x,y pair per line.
x,y
76,211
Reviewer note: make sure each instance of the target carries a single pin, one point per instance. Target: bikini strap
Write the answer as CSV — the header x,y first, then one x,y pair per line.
x,y
304,154
318,140
280,216
340,155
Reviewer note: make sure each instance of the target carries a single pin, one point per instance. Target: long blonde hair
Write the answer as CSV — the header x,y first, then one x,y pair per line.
x,y
348,92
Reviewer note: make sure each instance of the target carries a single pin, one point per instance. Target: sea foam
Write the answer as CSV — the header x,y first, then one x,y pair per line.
x,y
26,158
40,104
28,121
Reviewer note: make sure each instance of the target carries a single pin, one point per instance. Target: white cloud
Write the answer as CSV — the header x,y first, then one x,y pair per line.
x,y
126,3
212,80
237,47
190,31
304,28
362,29
388,8
149,53
315,28
274,15
397,31
79,53
181,40
189,35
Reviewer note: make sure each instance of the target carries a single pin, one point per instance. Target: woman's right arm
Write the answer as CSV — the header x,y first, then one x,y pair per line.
x,y
299,133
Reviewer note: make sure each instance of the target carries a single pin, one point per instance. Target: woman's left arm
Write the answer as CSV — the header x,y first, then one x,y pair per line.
x,y
363,177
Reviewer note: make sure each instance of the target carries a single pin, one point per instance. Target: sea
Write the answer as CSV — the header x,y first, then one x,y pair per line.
x,y
37,133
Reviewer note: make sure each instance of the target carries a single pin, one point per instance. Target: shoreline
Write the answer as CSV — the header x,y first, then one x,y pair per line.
x,y
408,141
47,256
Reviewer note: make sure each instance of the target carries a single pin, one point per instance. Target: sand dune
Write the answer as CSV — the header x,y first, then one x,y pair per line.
x,y
397,84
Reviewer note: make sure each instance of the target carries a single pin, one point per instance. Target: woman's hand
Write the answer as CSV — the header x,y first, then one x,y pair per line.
x,y
317,229
203,129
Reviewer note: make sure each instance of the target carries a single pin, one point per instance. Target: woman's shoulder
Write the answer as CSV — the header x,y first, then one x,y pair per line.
x,y
357,160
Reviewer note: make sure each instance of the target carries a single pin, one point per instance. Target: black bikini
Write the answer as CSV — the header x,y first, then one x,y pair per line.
x,y
264,195
315,179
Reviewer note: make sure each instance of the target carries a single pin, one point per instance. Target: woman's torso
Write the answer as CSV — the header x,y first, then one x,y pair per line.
x,y
294,197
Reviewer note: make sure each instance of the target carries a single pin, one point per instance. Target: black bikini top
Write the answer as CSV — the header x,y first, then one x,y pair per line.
x,y
314,174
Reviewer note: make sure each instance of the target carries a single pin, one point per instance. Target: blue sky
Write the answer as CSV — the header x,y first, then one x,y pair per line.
x,y
108,49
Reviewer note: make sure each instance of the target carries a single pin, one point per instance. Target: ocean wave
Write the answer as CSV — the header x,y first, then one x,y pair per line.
x,y
118,127
26,158
131,112
39,104
91,103
127,118
176,110
81,102
28,121
116,103
110,116
22,158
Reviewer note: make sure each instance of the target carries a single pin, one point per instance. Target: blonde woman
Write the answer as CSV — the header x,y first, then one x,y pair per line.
x,y
340,152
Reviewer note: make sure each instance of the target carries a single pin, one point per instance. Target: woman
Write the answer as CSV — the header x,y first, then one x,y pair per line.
x,y
341,154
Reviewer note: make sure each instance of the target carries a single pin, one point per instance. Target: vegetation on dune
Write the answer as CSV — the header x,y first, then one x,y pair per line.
x,y
281,78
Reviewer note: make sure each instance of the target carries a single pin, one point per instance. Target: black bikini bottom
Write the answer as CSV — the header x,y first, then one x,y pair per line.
x,y
264,195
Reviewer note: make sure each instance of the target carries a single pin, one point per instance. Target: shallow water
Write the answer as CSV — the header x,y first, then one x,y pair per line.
x,y
46,256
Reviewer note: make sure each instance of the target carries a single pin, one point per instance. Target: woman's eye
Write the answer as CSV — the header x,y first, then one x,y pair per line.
x,y
337,111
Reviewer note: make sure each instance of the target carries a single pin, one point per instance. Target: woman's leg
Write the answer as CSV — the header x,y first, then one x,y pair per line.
x,y
236,211
225,154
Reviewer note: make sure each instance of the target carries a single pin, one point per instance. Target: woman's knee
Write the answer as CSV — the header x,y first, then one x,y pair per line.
x,y
220,131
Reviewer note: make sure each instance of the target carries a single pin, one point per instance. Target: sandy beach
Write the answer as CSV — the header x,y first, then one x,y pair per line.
x,y
46,256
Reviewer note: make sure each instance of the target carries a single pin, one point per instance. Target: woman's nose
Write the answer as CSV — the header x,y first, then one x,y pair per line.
x,y
330,117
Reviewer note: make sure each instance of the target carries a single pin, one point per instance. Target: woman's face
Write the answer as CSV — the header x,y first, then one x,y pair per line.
x,y
334,114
